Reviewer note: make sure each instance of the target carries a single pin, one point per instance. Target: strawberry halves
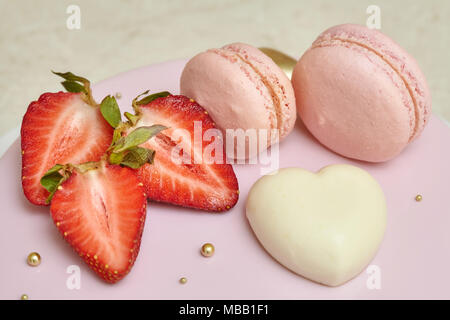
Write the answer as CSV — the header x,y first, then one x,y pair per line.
x,y
101,212
198,182
63,127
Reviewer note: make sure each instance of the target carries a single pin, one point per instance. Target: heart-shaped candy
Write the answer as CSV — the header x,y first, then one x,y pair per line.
x,y
325,226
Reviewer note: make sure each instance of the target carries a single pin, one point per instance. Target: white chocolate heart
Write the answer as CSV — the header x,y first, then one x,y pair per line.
x,y
325,226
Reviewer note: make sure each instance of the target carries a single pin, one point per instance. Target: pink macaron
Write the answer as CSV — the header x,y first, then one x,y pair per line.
x,y
360,94
242,88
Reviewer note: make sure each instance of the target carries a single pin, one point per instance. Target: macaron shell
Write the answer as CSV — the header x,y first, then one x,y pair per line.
x,y
227,90
351,104
241,88
280,85
396,56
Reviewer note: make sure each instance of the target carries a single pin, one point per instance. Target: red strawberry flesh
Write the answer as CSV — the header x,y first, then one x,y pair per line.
x,y
59,128
211,187
101,214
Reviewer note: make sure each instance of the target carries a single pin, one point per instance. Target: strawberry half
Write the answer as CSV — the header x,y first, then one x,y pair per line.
x,y
196,184
100,212
100,207
63,127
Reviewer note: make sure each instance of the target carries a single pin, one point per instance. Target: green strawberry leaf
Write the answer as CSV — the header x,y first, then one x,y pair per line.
x,y
136,157
137,137
74,83
117,135
110,111
149,98
116,158
52,179
72,86
71,77
132,118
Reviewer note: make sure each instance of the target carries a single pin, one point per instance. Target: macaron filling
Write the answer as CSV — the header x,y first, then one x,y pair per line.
x,y
272,101
281,103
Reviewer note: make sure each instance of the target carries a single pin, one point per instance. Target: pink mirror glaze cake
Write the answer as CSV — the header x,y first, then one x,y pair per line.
x,y
359,93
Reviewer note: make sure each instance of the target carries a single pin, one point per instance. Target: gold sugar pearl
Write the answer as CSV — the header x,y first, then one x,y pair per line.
x,y
207,250
24,297
183,280
418,197
34,259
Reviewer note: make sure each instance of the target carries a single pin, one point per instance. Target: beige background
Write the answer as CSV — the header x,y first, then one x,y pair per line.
x,y
116,36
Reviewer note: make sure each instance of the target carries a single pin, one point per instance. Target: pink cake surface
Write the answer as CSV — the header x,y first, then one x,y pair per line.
x,y
413,259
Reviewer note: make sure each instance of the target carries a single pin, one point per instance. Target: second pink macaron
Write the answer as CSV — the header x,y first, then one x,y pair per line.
x,y
242,88
360,94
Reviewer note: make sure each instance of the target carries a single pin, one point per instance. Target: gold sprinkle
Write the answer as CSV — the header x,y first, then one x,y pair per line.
x,y
23,152
118,95
95,257
106,266
140,184
228,207
206,112
34,259
58,224
24,297
115,272
131,250
418,197
183,280
191,100
207,250
237,191
60,187
65,234
23,178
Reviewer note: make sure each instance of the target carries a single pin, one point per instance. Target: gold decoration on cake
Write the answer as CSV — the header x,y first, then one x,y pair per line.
x,y
285,62
207,250
34,259
183,280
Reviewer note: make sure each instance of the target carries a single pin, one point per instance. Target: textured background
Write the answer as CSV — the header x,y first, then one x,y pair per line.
x,y
116,36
